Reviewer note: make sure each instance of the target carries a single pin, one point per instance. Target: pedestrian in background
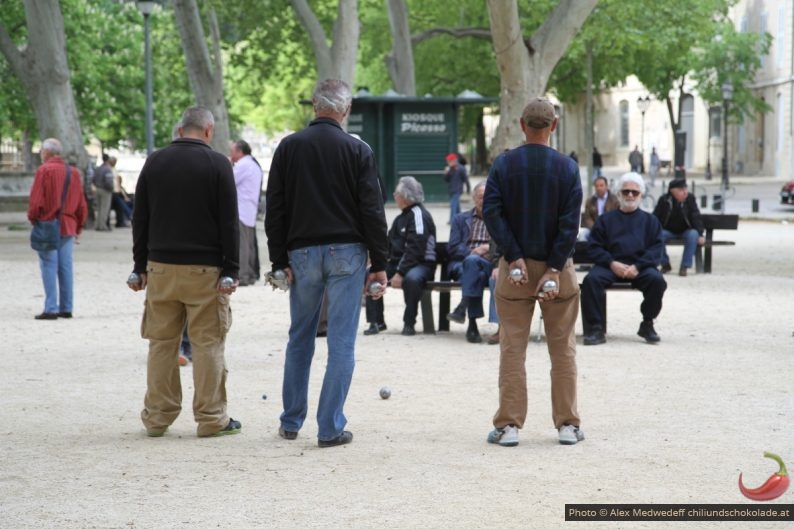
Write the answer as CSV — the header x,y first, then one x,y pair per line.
x,y
103,187
185,240
248,179
456,178
598,163
655,166
51,199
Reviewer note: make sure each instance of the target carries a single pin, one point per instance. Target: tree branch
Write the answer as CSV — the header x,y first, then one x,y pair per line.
x,y
479,33
556,33
316,34
217,58
12,53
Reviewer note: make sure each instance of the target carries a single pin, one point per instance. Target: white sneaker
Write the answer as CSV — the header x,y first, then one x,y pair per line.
x,y
507,436
570,435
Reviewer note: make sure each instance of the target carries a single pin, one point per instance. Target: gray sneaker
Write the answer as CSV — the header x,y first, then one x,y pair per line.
x,y
570,435
507,436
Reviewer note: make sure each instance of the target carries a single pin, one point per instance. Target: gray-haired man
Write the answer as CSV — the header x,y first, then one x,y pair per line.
x,y
185,238
324,214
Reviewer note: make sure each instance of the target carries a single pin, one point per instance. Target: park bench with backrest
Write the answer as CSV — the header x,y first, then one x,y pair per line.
x,y
444,286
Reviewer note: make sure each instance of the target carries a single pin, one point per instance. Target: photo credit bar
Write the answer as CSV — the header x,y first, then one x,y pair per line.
x,y
689,512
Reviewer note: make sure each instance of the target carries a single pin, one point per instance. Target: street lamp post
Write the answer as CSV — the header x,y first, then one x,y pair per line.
x,y
643,103
146,8
727,95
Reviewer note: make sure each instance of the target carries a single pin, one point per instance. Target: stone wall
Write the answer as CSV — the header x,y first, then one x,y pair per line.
x,y
14,190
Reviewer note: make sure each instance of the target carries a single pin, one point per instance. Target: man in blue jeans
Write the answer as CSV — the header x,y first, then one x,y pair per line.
x,y
679,215
469,246
49,199
324,215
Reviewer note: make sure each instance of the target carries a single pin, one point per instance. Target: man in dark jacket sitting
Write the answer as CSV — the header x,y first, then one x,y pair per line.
x,y
469,245
679,215
625,245
412,255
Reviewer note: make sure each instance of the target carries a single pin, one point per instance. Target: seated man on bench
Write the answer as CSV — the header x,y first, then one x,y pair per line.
x,y
470,263
412,256
679,215
625,245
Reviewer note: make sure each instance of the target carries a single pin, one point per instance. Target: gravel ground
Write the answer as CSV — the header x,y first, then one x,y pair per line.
x,y
671,423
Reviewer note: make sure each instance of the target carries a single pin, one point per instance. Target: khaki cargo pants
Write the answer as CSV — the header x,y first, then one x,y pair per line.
x,y
176,294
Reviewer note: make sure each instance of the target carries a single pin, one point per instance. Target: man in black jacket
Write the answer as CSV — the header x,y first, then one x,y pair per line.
x,y
412,255
679,215
324,214
185,239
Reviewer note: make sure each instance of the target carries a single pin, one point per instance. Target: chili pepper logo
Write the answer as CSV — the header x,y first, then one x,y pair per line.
x,y
774,487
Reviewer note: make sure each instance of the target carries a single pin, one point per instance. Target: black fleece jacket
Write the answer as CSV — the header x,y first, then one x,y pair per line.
x,y
324,188
678,217
186,209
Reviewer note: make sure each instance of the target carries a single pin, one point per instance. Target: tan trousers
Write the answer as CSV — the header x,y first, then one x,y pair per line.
x,y
515,305
176,294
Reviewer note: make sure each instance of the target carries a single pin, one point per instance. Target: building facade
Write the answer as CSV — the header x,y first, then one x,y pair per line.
x,y
762,145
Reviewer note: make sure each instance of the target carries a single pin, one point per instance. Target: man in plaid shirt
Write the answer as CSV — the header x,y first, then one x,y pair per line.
x,y
468,250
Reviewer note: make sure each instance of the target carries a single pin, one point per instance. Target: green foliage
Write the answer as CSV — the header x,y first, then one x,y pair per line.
x,y
105,41
616,42
664,44
734,57
16,114
106,55
269,65
670,51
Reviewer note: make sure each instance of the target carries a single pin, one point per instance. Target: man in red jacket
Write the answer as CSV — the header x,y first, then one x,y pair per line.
x,y
44,204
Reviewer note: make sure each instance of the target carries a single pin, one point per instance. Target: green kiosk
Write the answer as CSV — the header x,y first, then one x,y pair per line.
x,y
411,135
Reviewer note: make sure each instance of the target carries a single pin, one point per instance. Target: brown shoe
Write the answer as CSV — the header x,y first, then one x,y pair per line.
x,y
494,339
682,271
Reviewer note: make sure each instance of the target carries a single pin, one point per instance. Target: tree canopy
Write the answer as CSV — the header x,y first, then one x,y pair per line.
x,y
270,64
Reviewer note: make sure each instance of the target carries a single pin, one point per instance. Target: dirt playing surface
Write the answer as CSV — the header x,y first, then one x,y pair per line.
x,y
671,423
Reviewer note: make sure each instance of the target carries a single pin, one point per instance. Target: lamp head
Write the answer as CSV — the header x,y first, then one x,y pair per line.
x,y
727,91
145,6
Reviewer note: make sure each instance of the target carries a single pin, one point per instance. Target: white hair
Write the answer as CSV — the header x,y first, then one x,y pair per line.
x,y
632,177
51,145
196,118
331,96
410,189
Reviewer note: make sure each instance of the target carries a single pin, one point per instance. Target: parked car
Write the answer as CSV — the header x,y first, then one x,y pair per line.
x,y
787,193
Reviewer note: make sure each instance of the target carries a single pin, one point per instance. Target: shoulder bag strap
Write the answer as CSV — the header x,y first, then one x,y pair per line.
x,y
65,190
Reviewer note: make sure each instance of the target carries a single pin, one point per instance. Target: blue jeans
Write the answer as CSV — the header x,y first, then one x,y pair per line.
x,y
473,273
454,206
492,316
690,238
338,269
56,274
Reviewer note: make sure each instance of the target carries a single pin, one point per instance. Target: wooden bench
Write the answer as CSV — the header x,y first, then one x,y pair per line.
x,y
580,258
703,253
444,286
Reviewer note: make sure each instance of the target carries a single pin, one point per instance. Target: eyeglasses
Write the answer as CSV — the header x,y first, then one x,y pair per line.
x,y
627,192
